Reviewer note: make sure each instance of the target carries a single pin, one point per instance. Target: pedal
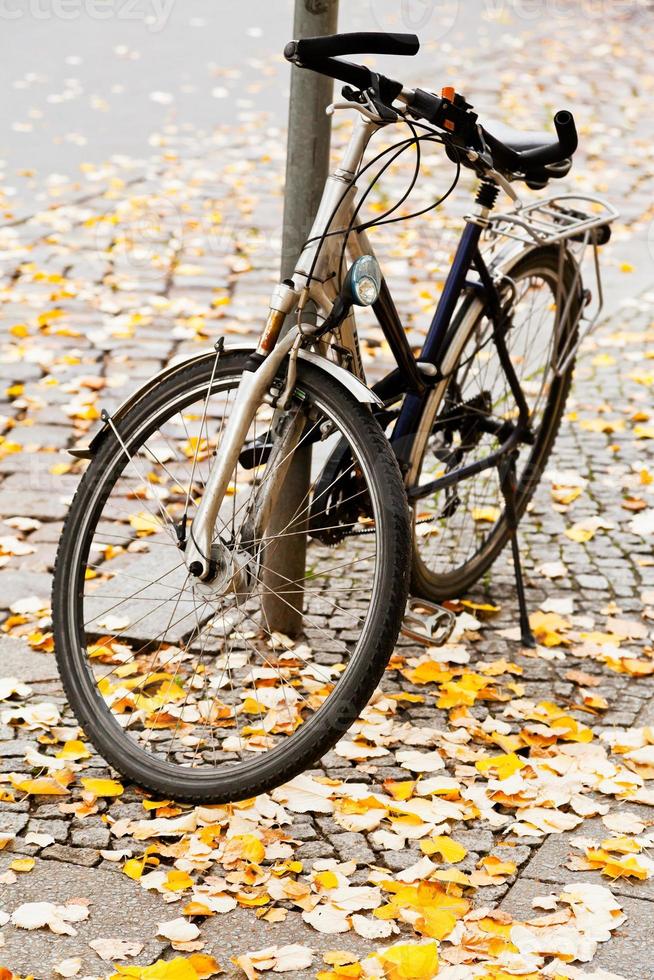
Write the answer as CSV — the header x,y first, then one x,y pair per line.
x,y
427,623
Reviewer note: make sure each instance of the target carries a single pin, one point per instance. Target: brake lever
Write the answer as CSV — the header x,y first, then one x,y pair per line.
x,y
373,117
373,96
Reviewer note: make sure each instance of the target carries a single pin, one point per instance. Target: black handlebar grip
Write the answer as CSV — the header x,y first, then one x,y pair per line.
x,y
565,145
366,42
567,132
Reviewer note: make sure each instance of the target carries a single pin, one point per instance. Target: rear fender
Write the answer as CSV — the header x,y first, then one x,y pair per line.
x,y
356,387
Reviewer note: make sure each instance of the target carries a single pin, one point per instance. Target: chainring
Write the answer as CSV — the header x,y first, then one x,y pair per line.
x,y
340,499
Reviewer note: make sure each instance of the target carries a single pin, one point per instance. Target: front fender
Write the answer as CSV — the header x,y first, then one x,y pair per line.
x,y
356,387
353,384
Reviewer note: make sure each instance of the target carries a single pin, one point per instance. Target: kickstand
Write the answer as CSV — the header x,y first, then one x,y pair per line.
x,y
508,483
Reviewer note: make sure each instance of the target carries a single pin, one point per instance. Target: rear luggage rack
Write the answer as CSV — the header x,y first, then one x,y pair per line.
x,y
563,220
556,219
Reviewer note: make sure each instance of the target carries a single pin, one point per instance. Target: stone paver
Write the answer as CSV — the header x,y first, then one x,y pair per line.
x,y
549,861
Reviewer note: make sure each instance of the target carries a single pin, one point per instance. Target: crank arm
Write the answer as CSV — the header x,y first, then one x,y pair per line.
x,y
251,390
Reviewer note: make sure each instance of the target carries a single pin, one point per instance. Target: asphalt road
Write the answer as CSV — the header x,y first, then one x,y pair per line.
x,y
82,80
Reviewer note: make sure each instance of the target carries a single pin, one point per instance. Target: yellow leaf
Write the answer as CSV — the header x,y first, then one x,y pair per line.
x,y
426,673
626,267
563,726
45,318
547,628
408,961
436,923
579,533
14,391
486,515
462,692
480,606
205,966
210,835
103,787
449,850
252,901
565,495
86,413
19,330
622,845
155,804
41,641
135,867
495,867
450,876
144,523
75,750
602,425
42,786
177,969
178,881
197,908
252,707
503,765
245,847
400,790
614,867
22,864
326,880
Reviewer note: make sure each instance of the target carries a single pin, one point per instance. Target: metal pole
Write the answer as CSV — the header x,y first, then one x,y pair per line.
x,y
307,168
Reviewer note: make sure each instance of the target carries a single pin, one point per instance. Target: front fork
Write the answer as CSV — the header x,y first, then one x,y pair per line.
x,y
251,391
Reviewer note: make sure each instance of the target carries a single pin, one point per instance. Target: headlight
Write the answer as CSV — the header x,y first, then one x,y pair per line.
x,y
364,281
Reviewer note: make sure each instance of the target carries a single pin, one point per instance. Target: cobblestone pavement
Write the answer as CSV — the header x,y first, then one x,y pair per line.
x,y
133,264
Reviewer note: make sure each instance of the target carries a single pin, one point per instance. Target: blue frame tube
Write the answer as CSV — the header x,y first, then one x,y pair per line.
x,y
432,351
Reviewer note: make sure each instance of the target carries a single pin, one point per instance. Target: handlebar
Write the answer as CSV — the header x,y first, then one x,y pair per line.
x,y
452,114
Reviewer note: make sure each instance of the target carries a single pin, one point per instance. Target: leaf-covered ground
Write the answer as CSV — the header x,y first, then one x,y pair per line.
x,y
491,814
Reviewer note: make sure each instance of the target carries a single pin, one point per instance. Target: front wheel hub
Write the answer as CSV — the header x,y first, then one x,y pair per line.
x,y
230,573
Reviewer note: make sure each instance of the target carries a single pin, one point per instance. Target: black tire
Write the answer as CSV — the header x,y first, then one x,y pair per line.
x,y
307,743
436,585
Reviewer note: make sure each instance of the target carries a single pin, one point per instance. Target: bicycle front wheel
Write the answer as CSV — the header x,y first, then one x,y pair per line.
x,y
459,532
193,693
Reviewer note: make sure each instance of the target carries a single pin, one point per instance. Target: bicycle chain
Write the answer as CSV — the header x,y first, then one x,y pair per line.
x,y
357,533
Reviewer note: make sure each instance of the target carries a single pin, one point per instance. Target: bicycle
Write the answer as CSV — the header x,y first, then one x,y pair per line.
x,y
165,573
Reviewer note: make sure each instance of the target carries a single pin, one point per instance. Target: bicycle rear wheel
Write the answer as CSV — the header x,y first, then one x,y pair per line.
x,y
459,532
189,693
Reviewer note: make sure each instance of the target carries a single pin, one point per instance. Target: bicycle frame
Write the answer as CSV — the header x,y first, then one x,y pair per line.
x,y
419,376
316,280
